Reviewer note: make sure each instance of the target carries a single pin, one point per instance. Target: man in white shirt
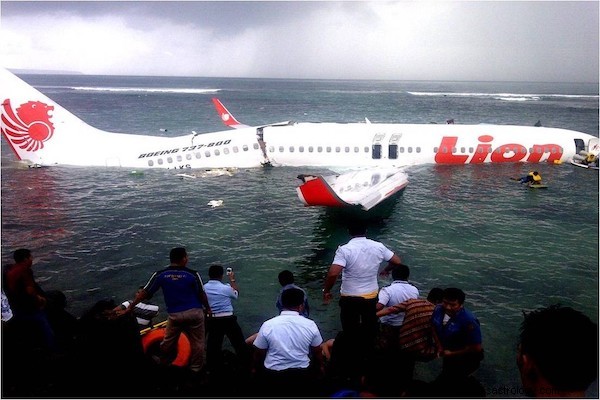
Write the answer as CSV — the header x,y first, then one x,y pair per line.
x,y
284,346
358,261
143,312
399,291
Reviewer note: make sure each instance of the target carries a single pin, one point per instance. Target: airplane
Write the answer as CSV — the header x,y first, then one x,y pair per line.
x,y
42,133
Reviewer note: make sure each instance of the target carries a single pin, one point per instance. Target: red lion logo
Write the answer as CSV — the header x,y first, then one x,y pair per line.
x,y
30,127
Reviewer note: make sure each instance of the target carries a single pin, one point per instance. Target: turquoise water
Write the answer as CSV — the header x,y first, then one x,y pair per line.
x,y
100,233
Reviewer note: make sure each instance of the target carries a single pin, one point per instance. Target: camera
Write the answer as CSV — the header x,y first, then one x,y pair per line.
x,y
229,270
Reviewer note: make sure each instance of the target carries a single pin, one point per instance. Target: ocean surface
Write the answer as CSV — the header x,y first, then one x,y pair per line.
x,y
99,233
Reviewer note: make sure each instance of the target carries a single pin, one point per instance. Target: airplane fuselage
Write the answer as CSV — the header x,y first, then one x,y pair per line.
x,y
42,132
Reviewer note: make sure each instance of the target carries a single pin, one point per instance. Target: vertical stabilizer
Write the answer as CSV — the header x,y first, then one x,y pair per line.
x,y
227,118
38,129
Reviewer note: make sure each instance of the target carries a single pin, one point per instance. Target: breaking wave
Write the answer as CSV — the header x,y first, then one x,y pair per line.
x,y
143,90
506,96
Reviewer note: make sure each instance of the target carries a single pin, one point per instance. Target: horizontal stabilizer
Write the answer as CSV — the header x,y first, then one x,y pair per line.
x,y
364,188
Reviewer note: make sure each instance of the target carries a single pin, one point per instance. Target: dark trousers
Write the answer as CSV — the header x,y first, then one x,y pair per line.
x,y
217,329
359,323
291,382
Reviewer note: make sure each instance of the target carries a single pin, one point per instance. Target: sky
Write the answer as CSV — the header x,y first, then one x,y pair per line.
x,y
552,41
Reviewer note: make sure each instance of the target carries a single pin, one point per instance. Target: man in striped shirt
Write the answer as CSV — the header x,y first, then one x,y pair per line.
x,y
415,336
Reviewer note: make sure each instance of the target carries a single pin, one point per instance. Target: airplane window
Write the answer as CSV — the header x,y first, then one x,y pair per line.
x,y
207,153
170,160
235,149
498,150
301,149
255,146
435,149
454,150
356,149
538,150
366,149
328,149
198,155
179,158
410,149
225,150
150,163
245,147
319,149
347,149
444,149
217,152
281,149
291,149
418,149
188,156
160,161
271,149
470,150
462,150
489,150
480,150
310,149
402,149
337,149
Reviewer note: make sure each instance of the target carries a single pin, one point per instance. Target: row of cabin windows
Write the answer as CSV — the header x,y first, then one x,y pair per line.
x,y
198,154
393,151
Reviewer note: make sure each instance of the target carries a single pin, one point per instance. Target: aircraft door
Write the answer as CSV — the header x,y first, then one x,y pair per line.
x,y
594,146
376,147
393,146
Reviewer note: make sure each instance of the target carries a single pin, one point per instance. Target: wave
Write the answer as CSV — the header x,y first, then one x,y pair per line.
x,y
144,90
134,89
505,96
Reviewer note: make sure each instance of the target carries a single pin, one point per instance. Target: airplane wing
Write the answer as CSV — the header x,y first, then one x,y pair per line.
x,y
227,118
365,188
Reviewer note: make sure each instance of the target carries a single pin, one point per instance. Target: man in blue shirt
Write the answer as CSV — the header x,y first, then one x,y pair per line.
x,y
222,322
457,334
186,303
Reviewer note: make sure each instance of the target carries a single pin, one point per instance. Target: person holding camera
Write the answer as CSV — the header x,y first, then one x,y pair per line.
x,y
222,322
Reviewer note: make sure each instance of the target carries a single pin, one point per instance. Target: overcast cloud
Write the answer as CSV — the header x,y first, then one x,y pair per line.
x,y
517,41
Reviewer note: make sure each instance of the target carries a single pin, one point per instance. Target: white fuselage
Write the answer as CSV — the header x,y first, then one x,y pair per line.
x,y
42,132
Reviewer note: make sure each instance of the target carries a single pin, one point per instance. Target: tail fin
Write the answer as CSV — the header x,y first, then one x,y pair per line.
x,y
227,118
37,129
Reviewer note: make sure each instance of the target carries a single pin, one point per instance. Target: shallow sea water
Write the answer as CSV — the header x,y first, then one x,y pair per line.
x,y
100,233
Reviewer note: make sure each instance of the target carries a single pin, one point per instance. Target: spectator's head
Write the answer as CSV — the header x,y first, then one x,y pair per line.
x,y
21,255
286,277
215,272
178,256
400,272
453,300
558,352
357,228
292,299
436,295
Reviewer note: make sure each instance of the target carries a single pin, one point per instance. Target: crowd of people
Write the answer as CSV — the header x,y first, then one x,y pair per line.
x,y
384,332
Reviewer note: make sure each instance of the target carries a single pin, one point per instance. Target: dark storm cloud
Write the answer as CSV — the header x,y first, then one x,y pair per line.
x,y
553,41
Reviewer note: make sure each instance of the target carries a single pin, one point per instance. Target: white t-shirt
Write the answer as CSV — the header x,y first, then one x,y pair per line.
x,y
288,339
361,259
143,312
393,294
